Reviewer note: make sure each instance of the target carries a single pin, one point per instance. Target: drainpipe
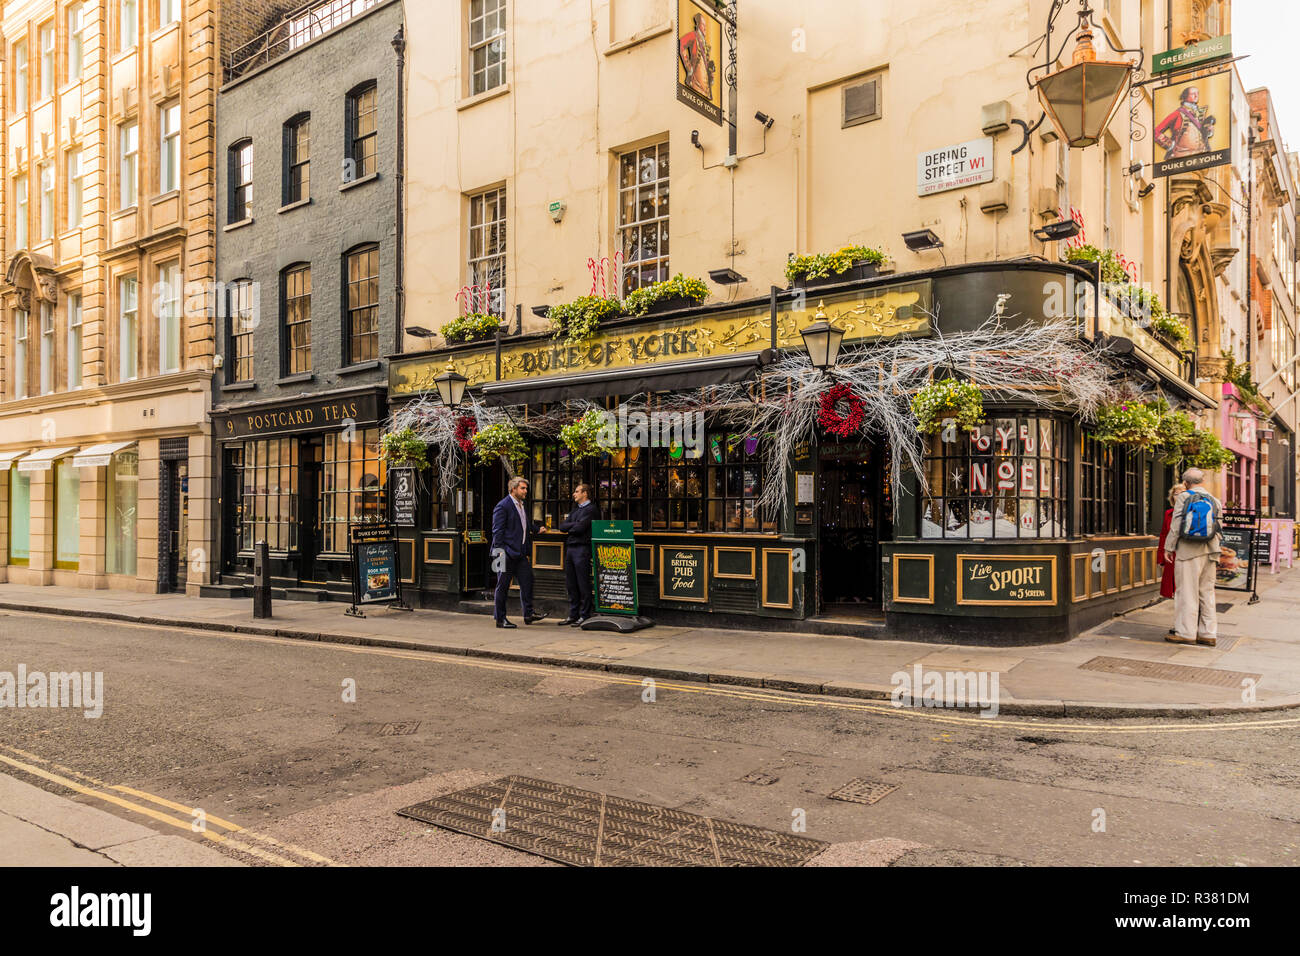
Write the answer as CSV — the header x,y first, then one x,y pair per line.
x,y
399,45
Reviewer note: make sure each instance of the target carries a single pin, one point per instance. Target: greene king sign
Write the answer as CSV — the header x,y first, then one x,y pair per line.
x,y
953,167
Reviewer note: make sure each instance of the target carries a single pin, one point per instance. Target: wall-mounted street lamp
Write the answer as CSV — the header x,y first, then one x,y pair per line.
x,y
1082,98
822,340
419,331
451,386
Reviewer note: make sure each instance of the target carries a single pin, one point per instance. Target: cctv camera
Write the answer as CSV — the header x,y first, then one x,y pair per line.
x,y
763,118
695,139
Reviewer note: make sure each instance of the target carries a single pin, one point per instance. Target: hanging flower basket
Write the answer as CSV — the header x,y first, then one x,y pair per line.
x,y
403,449
466,429
842,413
583,436
501,440
1205,451
1129,423
948,399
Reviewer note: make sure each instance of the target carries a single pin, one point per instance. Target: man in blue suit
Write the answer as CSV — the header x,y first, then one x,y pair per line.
x,y
512,542
577,555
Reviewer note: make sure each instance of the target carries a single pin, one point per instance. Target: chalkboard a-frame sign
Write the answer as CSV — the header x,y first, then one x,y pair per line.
x,y
613,564
376,568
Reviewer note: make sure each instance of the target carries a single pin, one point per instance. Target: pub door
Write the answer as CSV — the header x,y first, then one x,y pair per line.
x,y
855,518
311,476
484,487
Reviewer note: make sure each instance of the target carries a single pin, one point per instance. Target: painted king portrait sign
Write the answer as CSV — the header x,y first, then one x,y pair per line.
x,y
1193,124
699,58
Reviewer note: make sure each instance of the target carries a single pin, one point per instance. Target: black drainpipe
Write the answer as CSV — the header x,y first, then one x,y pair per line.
x,y
399,44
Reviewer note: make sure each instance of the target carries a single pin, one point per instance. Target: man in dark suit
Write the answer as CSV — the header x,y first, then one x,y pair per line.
x,y
512,541
577,554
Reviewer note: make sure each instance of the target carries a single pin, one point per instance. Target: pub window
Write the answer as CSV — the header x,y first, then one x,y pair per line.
x,y
555,474
1135,491
241,318
676,490
487,45
362,147
240,173
297,159
441,514
352,486
270,494
643,216
1004,479
487,249
736,484
362,331
620,485
1097,513
297,319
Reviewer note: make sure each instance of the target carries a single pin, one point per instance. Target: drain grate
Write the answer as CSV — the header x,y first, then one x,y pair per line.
x,y
585,828
1183,673
400,728
759,778
858,790
1220,608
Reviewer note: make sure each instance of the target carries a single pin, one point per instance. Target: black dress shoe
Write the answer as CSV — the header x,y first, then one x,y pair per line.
x,y
534,618
567,621
504,623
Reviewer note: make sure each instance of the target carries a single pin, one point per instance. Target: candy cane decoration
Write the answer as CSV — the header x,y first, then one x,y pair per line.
x,y
461,300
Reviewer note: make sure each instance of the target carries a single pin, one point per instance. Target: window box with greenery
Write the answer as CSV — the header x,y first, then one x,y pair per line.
x,y
1134,300
948,399
679,292
843,265
501,440
404,449
474,327
577,321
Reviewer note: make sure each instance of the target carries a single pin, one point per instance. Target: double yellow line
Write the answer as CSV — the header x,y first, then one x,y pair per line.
x,y
108,793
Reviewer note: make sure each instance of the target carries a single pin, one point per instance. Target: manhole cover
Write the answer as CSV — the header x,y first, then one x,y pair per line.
x,y
759,778
401,728
858,790
1220,608
1183,673
585,828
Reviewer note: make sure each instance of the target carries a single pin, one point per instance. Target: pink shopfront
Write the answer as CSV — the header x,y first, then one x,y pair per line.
x,y
1238,428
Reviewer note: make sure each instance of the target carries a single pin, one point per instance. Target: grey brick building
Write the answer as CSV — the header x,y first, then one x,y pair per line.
x,y
306,261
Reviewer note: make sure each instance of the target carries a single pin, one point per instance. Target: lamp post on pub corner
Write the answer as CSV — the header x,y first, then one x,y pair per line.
x,y
1082,98
822,340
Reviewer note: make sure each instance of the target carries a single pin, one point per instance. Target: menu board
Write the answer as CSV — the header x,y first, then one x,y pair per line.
x,y
684,573
1264,548
375,575
1022,580
613,563
401,485
1234,570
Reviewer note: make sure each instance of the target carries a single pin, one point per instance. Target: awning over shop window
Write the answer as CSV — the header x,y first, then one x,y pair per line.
x,y
43,460
7,458
97,456
671,376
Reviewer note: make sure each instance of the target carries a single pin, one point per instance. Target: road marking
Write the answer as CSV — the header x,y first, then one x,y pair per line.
x,y
163,817
882,708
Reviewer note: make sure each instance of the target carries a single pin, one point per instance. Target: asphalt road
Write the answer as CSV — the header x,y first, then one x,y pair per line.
x,y
257,734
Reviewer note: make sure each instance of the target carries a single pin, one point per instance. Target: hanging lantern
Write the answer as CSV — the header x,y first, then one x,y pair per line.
x,y
822,340
451,386
1082,98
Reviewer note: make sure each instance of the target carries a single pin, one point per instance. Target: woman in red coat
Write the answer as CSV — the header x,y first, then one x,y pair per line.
x,y
1167,575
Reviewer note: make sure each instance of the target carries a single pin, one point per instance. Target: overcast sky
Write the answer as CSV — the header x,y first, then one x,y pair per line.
x,y
1267,30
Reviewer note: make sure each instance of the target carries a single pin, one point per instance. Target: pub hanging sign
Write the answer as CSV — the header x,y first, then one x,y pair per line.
x,y
699,58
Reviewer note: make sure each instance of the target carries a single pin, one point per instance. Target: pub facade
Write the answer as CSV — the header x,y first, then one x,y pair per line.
x,y
1023,529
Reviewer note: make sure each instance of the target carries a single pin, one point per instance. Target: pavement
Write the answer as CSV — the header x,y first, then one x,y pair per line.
x,y
1118,669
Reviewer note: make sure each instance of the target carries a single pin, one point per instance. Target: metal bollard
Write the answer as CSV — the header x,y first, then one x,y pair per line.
x,y
261,580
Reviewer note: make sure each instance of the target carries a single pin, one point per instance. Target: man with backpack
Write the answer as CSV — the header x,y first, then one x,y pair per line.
x,y
1193,545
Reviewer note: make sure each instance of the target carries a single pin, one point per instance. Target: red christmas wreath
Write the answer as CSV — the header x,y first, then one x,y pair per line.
x,y
843,424
466,429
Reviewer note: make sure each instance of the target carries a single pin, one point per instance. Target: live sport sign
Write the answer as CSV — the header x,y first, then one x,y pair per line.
x,y
955,167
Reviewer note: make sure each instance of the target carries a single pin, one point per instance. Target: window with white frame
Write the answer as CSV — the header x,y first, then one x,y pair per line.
x,y
363,132
47,202
128,176
169,317
22,338
128,329
487,45
74,340
76,40
21,90
20,212
47,348
46,37
169,11
241,182
241,313
487,251
643,216
169,148
75,188
128,17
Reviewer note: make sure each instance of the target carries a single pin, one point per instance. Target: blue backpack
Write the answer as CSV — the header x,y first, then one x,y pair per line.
x,y
1200,518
